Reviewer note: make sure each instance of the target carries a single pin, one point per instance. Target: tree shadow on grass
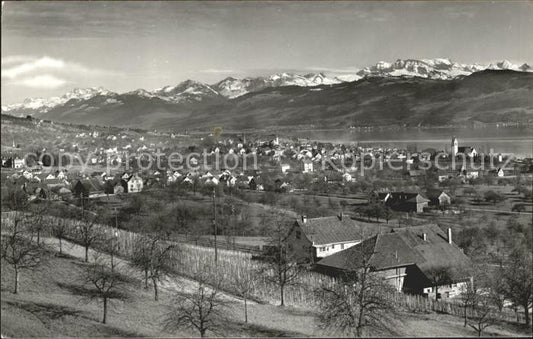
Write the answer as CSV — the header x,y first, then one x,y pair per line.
x,y
238,329
50,311
47,312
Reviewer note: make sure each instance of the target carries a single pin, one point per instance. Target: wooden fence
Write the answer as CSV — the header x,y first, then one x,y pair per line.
x,y
190,259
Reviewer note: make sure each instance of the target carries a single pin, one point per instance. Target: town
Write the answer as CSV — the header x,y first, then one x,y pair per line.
x,y
191,169
420,225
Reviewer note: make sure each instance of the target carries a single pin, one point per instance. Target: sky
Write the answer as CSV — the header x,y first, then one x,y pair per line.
x,y
49,48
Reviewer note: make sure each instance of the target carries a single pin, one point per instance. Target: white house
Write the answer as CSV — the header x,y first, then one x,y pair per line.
x,y
347,177
61,175
308,166
317,238
18,163
135,184
285,168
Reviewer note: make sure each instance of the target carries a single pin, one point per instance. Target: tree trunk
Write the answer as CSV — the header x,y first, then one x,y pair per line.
x,y
526,313
436,293
202,332
15,291
466,318
145,279
86,253
358,332
245,310
60,246
282,294
156,292
105,311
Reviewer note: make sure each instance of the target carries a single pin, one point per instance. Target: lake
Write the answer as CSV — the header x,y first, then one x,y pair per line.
x,y
505,140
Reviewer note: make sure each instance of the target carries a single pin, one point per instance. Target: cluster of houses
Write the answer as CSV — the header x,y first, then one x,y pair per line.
x,y
410,201
61,183
408,258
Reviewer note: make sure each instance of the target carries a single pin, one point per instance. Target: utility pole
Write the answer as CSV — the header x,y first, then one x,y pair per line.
x,y
82,207
114,240
215,223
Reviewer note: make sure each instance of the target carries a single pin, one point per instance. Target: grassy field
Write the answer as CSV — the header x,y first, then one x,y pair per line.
x,y
46,306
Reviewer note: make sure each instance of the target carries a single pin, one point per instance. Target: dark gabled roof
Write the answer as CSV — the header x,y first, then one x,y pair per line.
x,y
402,247
328,230
418,199
435,194
404,197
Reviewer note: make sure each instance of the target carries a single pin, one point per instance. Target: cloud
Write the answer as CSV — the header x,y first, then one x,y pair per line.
x,y
19,65
217,71
30,66
45,81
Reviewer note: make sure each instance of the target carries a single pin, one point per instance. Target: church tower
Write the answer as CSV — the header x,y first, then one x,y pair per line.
x,y
455,146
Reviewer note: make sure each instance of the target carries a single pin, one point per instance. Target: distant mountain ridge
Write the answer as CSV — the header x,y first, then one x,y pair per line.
x,y
191,92
487,96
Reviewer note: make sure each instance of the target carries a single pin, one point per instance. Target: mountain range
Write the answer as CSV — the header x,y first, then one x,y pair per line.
x,y
276,96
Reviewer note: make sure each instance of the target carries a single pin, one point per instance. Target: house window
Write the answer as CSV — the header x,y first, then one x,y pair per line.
x,y
342,246
332,247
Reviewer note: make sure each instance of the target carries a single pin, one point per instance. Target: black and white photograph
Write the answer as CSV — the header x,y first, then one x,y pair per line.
x,y
241,169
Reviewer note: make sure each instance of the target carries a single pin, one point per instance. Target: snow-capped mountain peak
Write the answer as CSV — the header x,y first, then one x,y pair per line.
x,y
191,91
42,105
439,68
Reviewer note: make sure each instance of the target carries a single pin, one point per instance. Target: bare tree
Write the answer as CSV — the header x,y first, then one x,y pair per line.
x,y
59,230
359,300
201,310
160,263
19,249
495,287
438,276
469,297
244,283
88,234
484,315
141,257
281,267
38,220
518,279
155,259
103,282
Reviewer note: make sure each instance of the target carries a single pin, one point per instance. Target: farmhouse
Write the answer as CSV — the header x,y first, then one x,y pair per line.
x,y
319,237
439,198
410,259
135,183
400,201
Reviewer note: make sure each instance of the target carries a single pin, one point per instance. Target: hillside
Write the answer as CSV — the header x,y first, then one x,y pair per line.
x,y
486,96
48,305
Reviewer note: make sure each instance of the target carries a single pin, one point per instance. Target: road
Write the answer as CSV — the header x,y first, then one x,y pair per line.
x,y
496,211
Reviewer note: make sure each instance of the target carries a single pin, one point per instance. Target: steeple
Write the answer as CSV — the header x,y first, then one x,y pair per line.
x,y
455,146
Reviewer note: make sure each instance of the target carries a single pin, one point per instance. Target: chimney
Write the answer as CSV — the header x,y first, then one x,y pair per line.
x,y
304,219
449,236
425,237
